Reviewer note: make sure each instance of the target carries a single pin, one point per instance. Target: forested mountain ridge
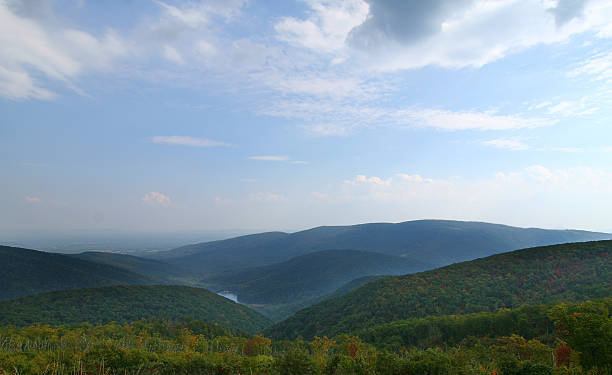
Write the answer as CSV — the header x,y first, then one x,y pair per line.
x,y
127,303
311,275
24,272
573,271
433,241
144,266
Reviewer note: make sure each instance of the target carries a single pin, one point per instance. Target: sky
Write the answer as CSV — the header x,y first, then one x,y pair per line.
x,y
159,116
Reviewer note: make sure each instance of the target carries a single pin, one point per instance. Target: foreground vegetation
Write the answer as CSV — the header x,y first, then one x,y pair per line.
x,y
579,343
127,303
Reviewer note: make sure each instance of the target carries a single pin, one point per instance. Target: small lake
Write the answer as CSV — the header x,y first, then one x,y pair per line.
x,y
229,295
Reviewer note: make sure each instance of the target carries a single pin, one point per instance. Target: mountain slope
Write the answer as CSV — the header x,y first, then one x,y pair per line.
x,y
24,272
143,266
129,303
538,275
311,275
433,241
278,312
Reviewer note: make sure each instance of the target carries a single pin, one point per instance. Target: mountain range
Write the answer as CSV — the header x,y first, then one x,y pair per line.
x,y
438,242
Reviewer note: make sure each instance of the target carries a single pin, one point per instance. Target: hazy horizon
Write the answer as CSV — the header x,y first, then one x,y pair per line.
x,y
125,241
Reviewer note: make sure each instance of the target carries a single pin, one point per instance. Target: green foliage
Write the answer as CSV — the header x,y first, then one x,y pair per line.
x,y
530,321
25,272
538,275
587,328
128,303
194,347
296,362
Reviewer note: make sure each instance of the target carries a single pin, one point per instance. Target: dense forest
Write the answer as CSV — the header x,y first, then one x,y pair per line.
x,y
580,342
537,275
123,304
24,272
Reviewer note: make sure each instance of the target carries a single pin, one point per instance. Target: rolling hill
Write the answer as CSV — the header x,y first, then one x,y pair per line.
x,y
124,304
139,265
437,242
311,275
571,272
24,272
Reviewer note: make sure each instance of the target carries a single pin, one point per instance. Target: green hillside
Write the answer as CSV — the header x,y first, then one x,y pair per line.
x,y
311,275
143,266
124,304
278,312
432,241
538,275
24,272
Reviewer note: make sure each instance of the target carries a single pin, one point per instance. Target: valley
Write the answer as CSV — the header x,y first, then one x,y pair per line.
x,y
349,303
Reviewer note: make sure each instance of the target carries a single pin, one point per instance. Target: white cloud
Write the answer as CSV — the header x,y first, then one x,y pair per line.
x,y
338,118
573,108
362,179
416,178
509,144
19,85
173,55
327,26
32,199
29,48
599,67
524,197
188,141
464,120
192,16
411,34
156,198
269,157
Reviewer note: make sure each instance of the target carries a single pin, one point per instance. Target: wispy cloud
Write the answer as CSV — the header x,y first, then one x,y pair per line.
x,y
31,49
269,157
156,198
32,199
188,141
339,118
597,67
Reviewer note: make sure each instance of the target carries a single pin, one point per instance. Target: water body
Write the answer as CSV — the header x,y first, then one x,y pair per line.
x,y
229,295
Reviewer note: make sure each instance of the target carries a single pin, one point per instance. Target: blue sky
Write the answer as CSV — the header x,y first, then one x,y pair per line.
x,y
208,115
